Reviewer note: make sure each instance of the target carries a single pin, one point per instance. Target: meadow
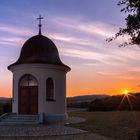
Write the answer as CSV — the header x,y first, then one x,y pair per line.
x,y
120,125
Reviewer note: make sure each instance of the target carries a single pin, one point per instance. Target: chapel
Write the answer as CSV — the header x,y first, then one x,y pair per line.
x,y
39,80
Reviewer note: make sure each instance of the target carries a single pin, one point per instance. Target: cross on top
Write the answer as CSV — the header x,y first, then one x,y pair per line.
x,y
40,18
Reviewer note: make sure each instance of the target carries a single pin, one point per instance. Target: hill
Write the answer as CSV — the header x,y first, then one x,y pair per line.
x,y
131,101
85,98
83,101
4,100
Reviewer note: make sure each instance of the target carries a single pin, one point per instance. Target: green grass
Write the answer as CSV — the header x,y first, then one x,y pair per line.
x,y
121,125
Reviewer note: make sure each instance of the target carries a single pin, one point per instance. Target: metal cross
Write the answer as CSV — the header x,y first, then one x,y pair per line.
x,y
40,18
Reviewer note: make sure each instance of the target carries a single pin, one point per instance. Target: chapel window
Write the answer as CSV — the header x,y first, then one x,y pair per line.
x,y
49,89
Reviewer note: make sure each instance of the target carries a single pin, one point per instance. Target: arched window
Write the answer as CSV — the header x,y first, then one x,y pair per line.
x,y
49,89
28,80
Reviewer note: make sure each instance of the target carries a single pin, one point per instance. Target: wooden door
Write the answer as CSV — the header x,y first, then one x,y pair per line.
x,y
33,100
24,100
28,100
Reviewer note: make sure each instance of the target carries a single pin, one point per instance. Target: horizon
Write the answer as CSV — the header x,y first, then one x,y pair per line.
x,y
80,33
90,95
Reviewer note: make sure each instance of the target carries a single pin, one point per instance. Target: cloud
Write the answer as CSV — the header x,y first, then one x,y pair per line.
x,y
78,38
96,29
88,55
121,76
15,30
81,42
109,73
134,70
84,26
72,60
12,41
92,36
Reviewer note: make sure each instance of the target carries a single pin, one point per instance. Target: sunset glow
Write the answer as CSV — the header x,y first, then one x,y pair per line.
x,y
79,32
125,92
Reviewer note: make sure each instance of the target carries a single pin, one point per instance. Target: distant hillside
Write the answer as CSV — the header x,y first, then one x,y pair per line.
x,y
131,101
85,98
4,100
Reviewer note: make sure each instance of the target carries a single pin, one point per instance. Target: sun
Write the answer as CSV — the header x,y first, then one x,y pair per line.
x,y
125,92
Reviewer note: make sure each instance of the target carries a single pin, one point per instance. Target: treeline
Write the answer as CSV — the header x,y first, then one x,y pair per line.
x,y
78,104
5,107
120,102
83,101
111,103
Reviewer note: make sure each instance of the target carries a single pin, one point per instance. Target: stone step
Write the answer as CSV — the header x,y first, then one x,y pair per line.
x,y
19,123
20,115
10,120
23,118
19,119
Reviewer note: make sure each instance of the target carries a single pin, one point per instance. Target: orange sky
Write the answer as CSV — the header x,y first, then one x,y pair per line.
x,y
78,86
99,85
80,34
87,84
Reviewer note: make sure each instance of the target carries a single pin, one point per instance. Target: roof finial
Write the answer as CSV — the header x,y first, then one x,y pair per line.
x,y
39,25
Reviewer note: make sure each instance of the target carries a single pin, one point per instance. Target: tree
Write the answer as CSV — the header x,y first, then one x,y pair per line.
x,y
132,29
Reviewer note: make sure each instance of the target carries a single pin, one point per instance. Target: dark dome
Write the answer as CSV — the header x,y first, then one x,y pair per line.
x,y
39,49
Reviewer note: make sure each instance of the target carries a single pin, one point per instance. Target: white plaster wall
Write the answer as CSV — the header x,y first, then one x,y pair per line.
x,y
41,72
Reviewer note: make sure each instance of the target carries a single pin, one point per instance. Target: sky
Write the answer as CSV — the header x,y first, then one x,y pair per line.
x,y
79,29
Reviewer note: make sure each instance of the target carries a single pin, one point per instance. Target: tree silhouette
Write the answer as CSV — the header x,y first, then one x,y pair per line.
x,y
132,29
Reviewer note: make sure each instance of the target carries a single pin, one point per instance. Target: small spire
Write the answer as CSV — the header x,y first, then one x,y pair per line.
x,y
39,25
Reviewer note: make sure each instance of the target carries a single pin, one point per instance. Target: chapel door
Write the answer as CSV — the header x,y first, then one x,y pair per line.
x,y
33,100
28,95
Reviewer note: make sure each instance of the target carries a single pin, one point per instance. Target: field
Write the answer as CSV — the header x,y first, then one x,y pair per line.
x,y
120,125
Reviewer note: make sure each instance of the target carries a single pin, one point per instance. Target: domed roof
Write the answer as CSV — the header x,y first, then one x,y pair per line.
x,y
39,49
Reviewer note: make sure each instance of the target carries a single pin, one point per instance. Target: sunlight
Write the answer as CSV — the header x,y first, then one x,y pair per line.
x,y
125,92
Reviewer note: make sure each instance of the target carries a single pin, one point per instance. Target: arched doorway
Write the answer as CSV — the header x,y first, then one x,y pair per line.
x,y
28,95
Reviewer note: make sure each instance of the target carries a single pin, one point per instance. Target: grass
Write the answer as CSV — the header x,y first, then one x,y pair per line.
x,y
120,125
